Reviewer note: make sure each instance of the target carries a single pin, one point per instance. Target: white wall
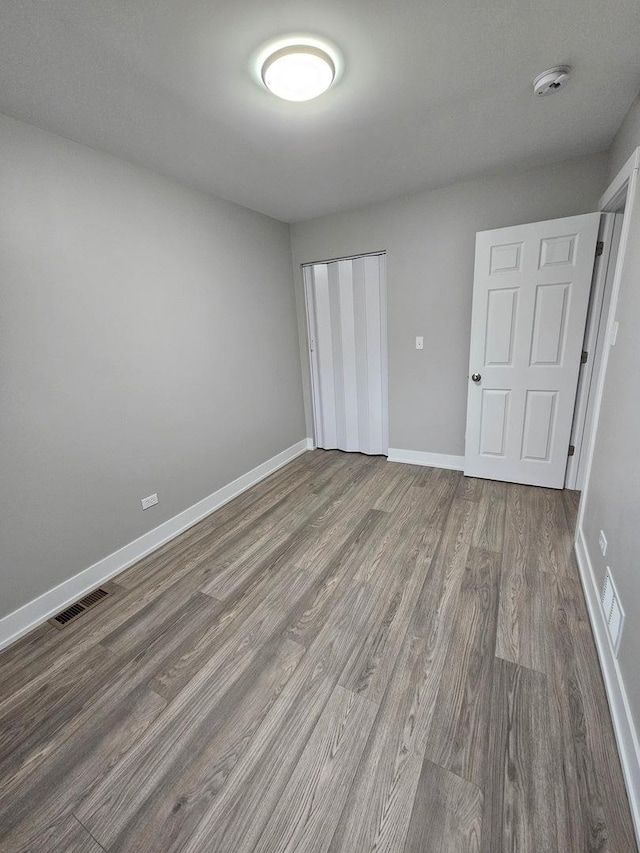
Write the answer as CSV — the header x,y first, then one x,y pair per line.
x,y
148,343
430,238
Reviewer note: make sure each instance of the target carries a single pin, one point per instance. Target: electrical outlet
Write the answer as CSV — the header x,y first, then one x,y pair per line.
x,y
602,542
152,500
419,342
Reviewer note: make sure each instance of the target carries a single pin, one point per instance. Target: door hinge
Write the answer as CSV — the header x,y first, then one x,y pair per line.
x,y
599,248
572,450
584,357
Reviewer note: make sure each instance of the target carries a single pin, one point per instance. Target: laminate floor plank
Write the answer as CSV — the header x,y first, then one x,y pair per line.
x,y
64,649
290,593
378,810
168,737
257,781
447,814
299,531
580,810
272,546
309,808
398,482
19,658
571,503
34,802
436,603
353,655
312,612
162,616
155,797
489,531
370,666
470,488
523,630
519,806
459,726
74,704
65,834
554,549
26,726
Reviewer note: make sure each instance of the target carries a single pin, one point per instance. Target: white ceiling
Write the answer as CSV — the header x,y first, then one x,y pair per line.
x,y
433,90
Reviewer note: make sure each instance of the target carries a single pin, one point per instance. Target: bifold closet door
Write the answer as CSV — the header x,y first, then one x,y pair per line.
x,y
346,313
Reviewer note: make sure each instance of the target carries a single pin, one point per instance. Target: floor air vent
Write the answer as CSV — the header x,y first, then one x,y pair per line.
x,y
71,613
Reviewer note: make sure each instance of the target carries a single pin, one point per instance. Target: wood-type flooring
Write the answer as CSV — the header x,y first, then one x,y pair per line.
x,y
352,656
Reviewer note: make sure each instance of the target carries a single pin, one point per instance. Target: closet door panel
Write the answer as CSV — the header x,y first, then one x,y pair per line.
x,y
346,307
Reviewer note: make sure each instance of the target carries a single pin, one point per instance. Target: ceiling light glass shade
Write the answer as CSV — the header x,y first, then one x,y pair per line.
x,y
298,72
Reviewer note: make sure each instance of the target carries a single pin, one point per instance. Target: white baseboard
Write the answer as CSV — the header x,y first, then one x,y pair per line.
x,y
21,621
430,460
623,726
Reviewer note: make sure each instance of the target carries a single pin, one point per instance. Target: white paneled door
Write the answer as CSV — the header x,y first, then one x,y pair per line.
x,y
530,298
346,315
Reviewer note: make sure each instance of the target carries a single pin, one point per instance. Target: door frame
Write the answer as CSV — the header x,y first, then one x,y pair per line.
x,y
593,345
623,190
310,329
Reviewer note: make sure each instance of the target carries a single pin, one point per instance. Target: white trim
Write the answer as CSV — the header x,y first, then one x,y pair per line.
x,y
384,348
594,343
21,621
622,190
430,460
343,258
311,347
623,727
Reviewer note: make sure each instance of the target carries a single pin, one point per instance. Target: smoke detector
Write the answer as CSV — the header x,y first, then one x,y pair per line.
x,y
550,81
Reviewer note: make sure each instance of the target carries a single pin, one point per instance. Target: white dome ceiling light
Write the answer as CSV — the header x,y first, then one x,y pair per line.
x,y
551,80
298,72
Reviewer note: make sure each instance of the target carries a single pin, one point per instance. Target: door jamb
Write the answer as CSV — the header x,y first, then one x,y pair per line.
x,y
622,190
313,364
593,345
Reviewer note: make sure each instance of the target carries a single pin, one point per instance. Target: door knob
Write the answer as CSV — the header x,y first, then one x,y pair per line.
x,y
476,377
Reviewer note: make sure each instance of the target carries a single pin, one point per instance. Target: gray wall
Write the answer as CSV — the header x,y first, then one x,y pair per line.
x,y
613,490
148,343
626,140
429,239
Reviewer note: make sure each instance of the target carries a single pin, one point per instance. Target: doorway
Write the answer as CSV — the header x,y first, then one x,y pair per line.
x,y
347,335
593,347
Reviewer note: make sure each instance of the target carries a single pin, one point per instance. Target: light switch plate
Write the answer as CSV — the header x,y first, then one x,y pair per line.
x,y
419,342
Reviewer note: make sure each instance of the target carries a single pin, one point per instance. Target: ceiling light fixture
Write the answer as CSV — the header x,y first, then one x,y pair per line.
x,y
298,72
